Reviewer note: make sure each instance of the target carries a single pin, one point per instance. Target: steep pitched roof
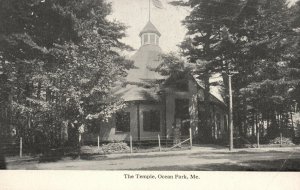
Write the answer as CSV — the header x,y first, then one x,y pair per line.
x,y
150,28
145,60
137,93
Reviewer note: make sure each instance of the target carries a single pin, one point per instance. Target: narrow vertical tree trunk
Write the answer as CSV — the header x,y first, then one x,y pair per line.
x,y
292,122
268,122
253,125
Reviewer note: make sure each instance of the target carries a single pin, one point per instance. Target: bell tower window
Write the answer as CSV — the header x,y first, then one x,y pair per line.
x,y
149,35
145,38
152,38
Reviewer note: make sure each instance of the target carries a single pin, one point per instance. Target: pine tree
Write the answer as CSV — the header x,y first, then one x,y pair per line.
x,y
254,38
59,59
206,26
267,86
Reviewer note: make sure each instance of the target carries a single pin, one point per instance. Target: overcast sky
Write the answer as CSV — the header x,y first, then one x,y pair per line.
x,y
134,13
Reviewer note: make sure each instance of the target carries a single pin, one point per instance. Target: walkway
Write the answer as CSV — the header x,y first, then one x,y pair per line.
x,y
200,158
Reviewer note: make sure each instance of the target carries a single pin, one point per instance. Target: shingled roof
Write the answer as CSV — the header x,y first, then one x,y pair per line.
x,y
150,28
145,60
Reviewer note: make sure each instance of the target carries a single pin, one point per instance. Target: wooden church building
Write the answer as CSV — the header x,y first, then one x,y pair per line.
x,y
156,109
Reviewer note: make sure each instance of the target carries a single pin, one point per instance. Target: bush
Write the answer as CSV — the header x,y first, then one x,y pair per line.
x,y
112,147
115,147
285,140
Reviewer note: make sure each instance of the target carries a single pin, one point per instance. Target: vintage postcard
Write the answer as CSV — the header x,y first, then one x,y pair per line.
x,y
170,93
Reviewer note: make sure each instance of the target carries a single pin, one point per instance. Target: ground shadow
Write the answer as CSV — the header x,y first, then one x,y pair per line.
x,y
254,165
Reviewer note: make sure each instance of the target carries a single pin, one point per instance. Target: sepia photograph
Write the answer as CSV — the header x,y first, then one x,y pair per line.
x,y
150,85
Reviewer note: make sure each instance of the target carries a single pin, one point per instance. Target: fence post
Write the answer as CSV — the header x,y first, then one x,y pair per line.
x,y
98,142
191,138
159,143
280,139
21,147
79,145
257,137
130,144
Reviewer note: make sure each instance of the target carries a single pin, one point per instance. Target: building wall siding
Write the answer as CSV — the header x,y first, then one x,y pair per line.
x,y
108,129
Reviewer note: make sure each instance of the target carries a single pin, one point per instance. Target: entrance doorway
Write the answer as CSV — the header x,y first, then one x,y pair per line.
x,y
182,115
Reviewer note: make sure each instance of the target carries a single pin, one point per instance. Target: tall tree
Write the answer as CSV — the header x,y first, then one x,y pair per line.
x,y
59,60
206,24
256,39
266,89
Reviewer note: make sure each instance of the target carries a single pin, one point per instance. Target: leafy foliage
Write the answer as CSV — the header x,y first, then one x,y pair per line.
x,y
59,59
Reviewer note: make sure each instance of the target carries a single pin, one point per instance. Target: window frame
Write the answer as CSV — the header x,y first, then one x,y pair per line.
x,y
146,38
123,129
148,124
152,38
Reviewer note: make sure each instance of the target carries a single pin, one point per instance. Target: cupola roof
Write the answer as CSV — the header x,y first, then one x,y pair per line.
x,y
150,28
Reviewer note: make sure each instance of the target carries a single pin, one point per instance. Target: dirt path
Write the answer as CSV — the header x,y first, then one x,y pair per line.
x,y
284,159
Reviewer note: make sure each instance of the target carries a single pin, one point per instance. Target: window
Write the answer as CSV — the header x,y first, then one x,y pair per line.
x,y
123,121
145,38
152,38
157,39
151,121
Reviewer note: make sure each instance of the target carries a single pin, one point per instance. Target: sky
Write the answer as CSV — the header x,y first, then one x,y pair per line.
x,y
134,14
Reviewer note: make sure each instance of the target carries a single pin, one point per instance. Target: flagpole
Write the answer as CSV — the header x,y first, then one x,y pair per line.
x,y
149,9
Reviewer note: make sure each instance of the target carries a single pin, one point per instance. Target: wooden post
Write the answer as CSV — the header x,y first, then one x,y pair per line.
x,y
293,128
79,139
230,114
98,142
130,144
79,145
21,147
257,136
191,138
159,143
280,139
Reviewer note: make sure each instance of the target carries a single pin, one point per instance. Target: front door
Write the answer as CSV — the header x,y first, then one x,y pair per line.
x,y
182,114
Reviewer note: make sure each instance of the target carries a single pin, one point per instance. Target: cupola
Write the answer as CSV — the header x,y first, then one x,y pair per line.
x,y
150,35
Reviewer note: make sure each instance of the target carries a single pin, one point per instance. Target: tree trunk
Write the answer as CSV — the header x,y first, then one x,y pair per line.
x,y
292,122
253,125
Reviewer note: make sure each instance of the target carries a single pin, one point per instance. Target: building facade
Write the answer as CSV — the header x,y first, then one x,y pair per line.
x,y
152,109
